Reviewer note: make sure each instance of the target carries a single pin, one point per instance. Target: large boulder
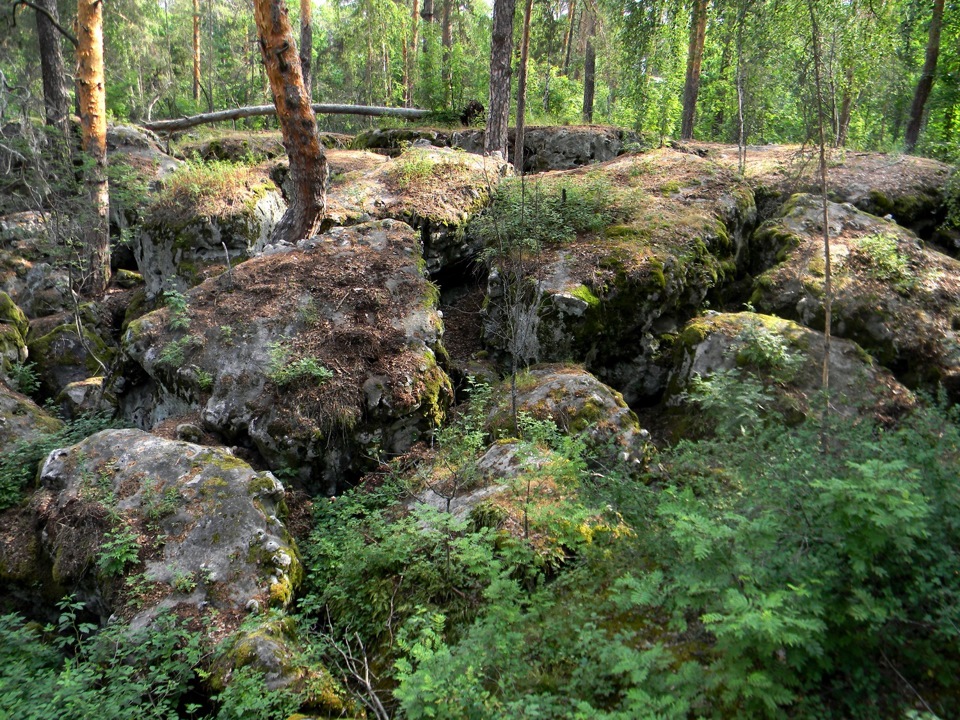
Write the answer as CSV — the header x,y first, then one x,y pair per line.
x,y
892,295
435,190
629,251
911,189
32,268
13,333
787,360
245,147
205,218
578,404
322,356
22,421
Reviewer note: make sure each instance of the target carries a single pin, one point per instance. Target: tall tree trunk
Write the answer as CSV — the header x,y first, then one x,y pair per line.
x,y
308,164
589,66
927,75
522,87
501,50
56,97
412,55
568,38
691,85
446,40
196,50
427,12
846,109
95,265
306,44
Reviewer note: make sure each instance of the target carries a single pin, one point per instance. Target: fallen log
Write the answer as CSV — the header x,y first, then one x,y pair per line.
x,y
183,123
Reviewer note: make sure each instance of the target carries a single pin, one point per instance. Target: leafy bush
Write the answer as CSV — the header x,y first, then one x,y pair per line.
x,y
284,371
23,377
119,549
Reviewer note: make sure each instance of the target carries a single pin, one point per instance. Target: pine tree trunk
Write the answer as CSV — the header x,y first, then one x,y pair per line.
x,y
95,264
501,50
927,76
691,86
414,32
568,38
427,12
196,50
56,99
589,69
306,44
298,125
522,87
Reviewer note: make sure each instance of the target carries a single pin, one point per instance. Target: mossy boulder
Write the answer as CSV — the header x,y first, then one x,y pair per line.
x,y
639,244
13,332
239,147
787,360
22,420
64,355
205,217
578,404
199,528
894,296
322,356
435,190
912,190
32,270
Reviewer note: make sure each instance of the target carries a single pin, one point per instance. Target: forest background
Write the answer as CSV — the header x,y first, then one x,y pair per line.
x,y
179,57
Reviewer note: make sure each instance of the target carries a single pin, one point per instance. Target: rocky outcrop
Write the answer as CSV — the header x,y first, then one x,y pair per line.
x,y
22,420
894,296
321,356
650,236
787,360
202,221
544,148
908,188
246,147
436,191
578,404
32,272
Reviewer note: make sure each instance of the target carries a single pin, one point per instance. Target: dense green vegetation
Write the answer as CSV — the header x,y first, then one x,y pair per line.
x,y
755,51
749,574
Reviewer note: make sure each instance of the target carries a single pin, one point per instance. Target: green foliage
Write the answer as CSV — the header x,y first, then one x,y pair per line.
x,y
763,349
204,379
248,698
176,301
23,377
120,549
19,465
886,261
283,371
533,213
174,353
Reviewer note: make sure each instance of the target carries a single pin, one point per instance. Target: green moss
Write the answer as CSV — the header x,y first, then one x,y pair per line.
x,y
223,461
437,392
260,484
13,315
584,293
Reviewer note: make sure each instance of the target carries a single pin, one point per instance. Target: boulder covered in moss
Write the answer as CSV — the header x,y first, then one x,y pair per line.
x,y
66,351
138,524
13,333
911,189
323,357
578,404
206,217
32,267
603,266
22,420
895,297
247,147
435,190
786,359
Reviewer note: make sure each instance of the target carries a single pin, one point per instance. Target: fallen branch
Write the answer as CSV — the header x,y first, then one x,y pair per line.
x,y
260,110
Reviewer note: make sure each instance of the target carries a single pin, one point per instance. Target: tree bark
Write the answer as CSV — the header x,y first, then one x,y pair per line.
x,y
56,98
414,32
298,125
691,85
589,68
427,12
306,45
568,38
522,87
446,41
927,76
501,50
95,263
196,50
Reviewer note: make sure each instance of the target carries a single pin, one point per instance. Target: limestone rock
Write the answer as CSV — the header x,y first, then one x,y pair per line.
x,y
787,359
661,230
187,226
578,404
435,190
319,355
895,297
